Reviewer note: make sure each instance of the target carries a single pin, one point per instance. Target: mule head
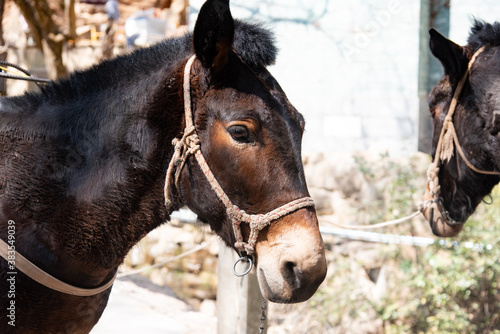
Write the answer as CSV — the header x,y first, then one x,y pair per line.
x,y
461,188
250,136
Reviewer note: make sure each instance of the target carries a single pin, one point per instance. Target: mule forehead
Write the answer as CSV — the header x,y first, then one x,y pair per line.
x,y
484,76
256,94
483,81
274,123
231,104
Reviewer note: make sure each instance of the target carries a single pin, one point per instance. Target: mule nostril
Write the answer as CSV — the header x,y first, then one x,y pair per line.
x,y
290,266
292,274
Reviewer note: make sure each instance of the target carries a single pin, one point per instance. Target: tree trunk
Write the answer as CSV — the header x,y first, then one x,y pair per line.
x,y
46,34
52,48
69,10
109,41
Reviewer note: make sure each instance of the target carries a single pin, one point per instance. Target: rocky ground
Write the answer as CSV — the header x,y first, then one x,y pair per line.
x,y
137,305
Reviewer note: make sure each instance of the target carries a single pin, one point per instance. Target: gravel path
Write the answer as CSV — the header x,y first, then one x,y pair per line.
x,y
138,306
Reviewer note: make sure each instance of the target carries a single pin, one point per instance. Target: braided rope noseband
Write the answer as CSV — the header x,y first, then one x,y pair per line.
x,y
188,145
448,137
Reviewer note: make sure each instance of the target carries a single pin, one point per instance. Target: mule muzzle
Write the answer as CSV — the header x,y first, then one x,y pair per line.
x,y
291,262
298,281
441,223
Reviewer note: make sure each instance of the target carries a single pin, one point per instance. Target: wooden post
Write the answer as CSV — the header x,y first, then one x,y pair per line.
x,y
433,14
238,298
69,12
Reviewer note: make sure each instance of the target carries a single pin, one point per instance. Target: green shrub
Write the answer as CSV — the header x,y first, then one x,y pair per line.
x,y
454,285
451,286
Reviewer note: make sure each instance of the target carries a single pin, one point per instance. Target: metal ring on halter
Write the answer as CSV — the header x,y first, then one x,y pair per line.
x,y
488,202
244,259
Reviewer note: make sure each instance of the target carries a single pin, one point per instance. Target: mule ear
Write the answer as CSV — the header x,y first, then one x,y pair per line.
x,y
450,55
213,34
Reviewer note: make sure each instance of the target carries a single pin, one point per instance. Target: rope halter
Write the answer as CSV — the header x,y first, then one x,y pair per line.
x,y
188,145
447,141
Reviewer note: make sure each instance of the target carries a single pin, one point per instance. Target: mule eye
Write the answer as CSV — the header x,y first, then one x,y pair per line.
x,y
240,133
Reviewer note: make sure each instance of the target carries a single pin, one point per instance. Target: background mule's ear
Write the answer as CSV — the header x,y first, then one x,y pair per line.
x,y
451,55
213,34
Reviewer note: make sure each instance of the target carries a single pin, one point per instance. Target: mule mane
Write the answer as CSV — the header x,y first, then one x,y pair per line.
x,y
483,33
253,43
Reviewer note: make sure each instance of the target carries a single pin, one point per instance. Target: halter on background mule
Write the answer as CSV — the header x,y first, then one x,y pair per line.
x,y
464,106
84,163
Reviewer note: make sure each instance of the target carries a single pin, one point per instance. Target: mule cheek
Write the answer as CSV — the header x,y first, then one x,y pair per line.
x,y
291,261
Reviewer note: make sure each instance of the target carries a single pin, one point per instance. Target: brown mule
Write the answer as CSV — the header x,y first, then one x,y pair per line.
x,y
84,163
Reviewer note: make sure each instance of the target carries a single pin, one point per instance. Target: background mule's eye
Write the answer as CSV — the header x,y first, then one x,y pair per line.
x,y
240,133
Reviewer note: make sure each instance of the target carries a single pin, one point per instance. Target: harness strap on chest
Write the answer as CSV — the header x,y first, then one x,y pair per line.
x,y
40,276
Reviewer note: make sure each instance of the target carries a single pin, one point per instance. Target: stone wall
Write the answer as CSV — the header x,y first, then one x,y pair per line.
x,y
193,277
354,189
341,67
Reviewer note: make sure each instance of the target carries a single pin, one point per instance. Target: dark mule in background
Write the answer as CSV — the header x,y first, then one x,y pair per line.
x,y
476,120
83,166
